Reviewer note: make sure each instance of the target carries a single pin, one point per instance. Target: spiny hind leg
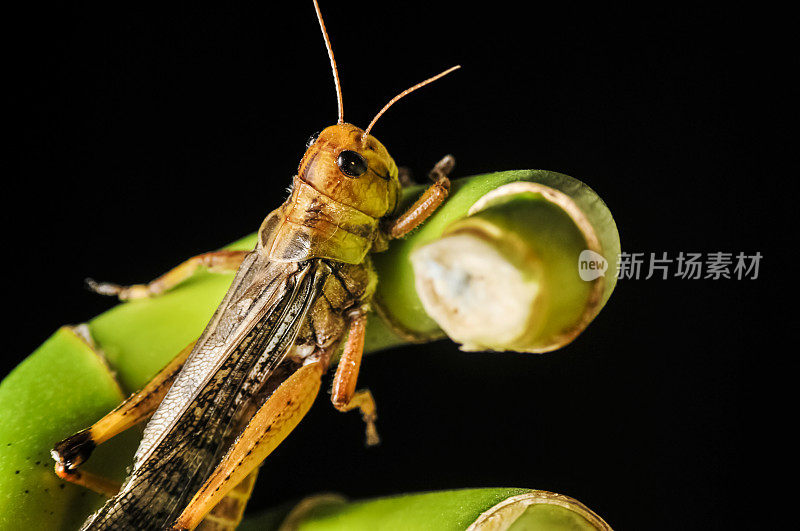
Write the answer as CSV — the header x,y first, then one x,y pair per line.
x,y
73,451
343,394
428,201
216,261
270,425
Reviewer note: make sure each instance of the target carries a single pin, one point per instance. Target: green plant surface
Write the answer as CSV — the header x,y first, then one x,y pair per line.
x,y
442,510
58,390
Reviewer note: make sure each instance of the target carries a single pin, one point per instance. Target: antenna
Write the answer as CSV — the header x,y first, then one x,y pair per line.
x,y
333,63
405,92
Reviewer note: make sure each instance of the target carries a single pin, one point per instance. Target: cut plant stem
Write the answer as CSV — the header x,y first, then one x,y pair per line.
x,y
498,267
506,277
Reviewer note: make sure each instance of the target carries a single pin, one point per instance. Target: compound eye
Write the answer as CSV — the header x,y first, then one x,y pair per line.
x,y
351,163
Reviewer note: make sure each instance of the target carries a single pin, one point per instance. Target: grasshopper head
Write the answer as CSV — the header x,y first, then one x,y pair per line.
x,y
346,163
352,169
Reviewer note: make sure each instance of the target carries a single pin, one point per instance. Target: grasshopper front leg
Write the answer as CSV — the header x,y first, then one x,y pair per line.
x,y
343,393
73,451
216,261
423,207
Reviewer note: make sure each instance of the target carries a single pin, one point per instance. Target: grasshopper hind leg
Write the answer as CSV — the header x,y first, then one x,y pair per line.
x,y
73,451
228,513
267,428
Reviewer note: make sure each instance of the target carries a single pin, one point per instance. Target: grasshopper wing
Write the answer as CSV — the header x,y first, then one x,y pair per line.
x,y
248,337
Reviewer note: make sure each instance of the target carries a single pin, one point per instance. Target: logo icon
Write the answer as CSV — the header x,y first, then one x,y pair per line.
x,y
591,265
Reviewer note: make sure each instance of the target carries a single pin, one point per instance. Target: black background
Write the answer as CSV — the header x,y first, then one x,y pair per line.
x,y
150,134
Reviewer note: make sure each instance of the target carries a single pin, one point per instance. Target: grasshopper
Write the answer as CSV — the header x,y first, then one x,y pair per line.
x,y
231,397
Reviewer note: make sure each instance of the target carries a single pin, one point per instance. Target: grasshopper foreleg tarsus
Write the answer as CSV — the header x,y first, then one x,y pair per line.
x,y
343,393
442,169
223,261
428,202
364,401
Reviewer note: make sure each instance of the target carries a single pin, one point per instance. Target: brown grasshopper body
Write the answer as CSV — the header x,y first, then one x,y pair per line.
x,y
233,395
